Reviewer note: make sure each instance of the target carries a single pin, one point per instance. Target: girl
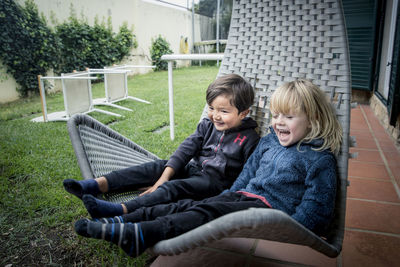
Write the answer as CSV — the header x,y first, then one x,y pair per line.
x,y
293,169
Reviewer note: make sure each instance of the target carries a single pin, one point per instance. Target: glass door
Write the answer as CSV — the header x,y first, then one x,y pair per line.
x,y
387,48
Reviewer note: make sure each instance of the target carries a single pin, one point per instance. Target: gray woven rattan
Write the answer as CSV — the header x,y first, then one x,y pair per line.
x,y
100,150
270,42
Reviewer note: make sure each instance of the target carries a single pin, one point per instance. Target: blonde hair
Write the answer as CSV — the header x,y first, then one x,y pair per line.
x,y
304,96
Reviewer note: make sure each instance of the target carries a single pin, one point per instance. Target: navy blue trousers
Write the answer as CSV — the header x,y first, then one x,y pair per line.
x,y
189,183
170,220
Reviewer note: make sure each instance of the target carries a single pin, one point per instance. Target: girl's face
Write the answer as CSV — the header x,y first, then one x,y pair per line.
x,y
223,115
290,128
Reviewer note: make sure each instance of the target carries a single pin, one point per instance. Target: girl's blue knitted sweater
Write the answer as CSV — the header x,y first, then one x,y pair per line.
x,y
298,181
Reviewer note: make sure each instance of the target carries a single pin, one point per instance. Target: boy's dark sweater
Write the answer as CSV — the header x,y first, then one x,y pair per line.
x,y
217,154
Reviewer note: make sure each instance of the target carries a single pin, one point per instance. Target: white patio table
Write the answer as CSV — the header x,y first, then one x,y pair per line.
x,y
170,58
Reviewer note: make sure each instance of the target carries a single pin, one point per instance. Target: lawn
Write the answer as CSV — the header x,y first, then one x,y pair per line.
x,y
37,215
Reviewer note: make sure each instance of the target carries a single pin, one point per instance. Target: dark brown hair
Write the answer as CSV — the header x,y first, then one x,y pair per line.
x,y
234,86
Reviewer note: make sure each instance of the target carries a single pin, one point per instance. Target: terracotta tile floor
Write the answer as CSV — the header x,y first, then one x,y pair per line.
x,y
372,236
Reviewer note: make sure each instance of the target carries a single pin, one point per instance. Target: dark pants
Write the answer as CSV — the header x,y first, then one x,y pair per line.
x,y
189,183
170,220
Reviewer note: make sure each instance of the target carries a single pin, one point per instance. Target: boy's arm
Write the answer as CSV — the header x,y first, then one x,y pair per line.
x,y
317,205
165,177
251,145
189,147
249,169
186,150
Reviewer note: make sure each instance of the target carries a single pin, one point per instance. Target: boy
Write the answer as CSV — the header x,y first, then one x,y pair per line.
x,y
205,164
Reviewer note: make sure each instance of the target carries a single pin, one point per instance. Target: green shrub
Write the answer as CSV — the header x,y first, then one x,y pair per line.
x,y
159,47
92,46
27,46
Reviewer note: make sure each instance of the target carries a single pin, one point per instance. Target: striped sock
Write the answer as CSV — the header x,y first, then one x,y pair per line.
x,y
127,236
116,219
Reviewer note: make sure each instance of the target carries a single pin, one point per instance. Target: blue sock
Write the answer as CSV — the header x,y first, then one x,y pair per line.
x,y
127,236
80,188
98,208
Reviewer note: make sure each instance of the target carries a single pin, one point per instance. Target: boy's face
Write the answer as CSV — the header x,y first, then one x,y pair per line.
x,y
223,115
290,128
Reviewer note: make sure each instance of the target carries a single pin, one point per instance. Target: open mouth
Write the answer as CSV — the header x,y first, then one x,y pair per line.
x,y
283,133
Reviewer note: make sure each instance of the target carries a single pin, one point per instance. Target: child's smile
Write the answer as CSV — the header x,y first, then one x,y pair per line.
x,y
290,129
282,134
223,114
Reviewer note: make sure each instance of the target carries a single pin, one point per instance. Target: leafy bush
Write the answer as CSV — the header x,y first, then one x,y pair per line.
x,y
92,46
27,46
159,47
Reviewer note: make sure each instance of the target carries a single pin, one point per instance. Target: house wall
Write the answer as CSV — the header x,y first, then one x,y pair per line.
x,y
148,18
8,86
381,112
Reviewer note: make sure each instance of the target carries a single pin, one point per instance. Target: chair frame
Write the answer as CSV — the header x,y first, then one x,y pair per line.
x,y
110,90
84,91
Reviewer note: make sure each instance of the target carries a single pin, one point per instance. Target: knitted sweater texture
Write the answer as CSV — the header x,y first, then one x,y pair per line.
x,y
299,181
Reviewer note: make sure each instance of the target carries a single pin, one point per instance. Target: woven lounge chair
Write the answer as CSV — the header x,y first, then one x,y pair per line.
x,y
270,42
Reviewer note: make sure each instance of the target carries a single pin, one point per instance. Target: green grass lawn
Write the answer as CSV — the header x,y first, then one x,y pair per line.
x,y
37,215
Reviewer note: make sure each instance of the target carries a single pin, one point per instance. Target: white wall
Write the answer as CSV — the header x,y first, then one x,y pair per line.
x,y
148,18
8,86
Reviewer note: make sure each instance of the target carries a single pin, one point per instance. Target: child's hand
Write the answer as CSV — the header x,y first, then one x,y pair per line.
x,y
165,176
150,190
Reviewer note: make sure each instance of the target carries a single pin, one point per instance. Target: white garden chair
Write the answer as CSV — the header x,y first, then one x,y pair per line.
x,y
116,85
77,93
